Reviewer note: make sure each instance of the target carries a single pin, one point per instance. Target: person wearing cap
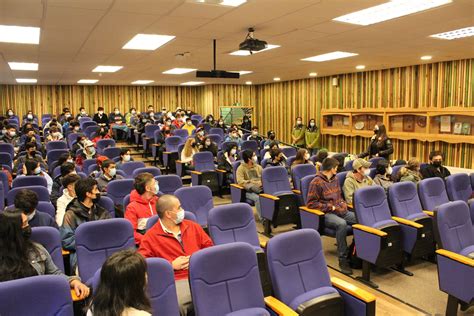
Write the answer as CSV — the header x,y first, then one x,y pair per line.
x,y
88,153
357,178
270,139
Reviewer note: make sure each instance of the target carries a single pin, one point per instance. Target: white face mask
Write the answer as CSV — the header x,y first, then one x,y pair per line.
x,y
233,151
179,217
255,133
30,116
298,122
10,113
126,158
101,112
67,115
190,123
113,172
389,170
13,134
70,160
306,156
366,172
37,170
255,159
312,124
117,112
134,112
83,113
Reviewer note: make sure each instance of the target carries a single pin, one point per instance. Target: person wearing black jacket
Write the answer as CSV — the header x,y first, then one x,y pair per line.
x,y
100,117
380,144
246,124
210,146
435,168
224,162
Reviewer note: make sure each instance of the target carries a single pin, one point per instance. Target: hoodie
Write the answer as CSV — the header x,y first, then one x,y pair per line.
x,y
325,193
138,212
351,184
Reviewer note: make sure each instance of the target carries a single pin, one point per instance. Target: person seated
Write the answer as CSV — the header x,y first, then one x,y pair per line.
x,y
200,135
78,144
272,146
74,127
109,173
131,117
67,125
66,157
356,179
209,120
175,239
11,137
302,158
235,127
125,156
50,124
411,172
84,208
276,158
32,167
30,118
270,139
341,158
64,115
383,175
68,182
178,121
88,153
22,258
30,137
118,124
320,156
225,161
101,118
249,175
246,124
254,136
189,126
142,204
101,133
210,146
26,201
54,135
168,126
435,168
10,114
66,168
221,124
82,113
31,153
325,194
187,154
129,268
235,137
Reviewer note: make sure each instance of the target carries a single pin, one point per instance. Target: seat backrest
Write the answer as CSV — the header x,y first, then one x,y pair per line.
x,y
112,152
289,151
459,187
181,133
162,287
235,165
371,206
84,124
216,138
172,143
305,183
6,159
472,180
372,173
150,130
198,200
348,165
46,207
169,183
44,294
7,148
231,223
118,189
89,130
4,181
154,219
87,163
104,143
227,144
341,177
227,274
250,144
264,163
275,180
216,130
41,191
97,240
25,181
296,264
54,154
404,200
375,161
56,144
130,166
108,204
298,172
432,192
204,161
153,170
50,239
454,226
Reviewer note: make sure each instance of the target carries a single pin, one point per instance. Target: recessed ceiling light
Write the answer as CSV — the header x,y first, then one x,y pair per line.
x,y
26,80
247,53
143,81
148,41
389,10
360,67
330,56
426,57
107,68
87,81
248,82
19,34
23,66
192,83
178,71
242,72
455,34
276,79
313,74
232,3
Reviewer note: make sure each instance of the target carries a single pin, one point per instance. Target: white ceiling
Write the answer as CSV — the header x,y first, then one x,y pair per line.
x,y
78,35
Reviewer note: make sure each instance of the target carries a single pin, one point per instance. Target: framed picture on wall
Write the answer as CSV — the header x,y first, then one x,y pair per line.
x,y
408,123
329,121
345,121
445,124
457,128
466,128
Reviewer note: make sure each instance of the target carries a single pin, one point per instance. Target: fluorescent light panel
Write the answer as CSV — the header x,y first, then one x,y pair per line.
x,y
19,34
276,79
313,74
107,68
248,82
26,80
360,67
148,41
455,34
232,3
330,56
426,57
87,81
192,83
179,71
389,10
23,66
247,53
143,81
242,72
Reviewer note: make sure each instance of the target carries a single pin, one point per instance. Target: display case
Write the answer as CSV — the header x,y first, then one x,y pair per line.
x,y
363,124
336,123
453,126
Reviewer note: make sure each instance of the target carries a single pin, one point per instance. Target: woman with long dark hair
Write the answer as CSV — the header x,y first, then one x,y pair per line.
x,y
122,288
380,145
22,258
302,157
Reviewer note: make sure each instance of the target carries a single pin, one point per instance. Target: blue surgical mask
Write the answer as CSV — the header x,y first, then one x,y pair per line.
x,y
179,217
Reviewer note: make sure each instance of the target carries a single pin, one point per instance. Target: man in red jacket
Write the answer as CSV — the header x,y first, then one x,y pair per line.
x,y
175,239
142,204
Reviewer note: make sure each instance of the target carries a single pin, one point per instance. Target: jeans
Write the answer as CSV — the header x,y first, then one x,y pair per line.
x,y
339,224
254,197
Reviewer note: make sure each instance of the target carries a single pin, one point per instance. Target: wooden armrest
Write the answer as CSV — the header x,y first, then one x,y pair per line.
x,y
296,191
269,196
263,244
280,308
310,210
353,290
429,213
370,230
350,206
196,172
74,296
406,222
238,186
146,138
221,171
65,252
456,257
156,145
167,152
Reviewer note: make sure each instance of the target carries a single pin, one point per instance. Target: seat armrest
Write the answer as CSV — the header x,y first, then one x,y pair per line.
x,y
353,290
350,206
74,296
280,308
167,152
221,171
429,213
146,138
263,244
65,252
456,257
238,186
311,210
269,196
296,191
156,145
406,222
196,172
370,230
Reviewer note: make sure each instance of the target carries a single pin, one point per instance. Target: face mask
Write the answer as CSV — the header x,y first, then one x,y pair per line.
x,y
117,112
437,164
126,158
157,187
255,133
134,112
10,113
312,124
112,172
83,113
233,151
26,232
211,119
37,170
306,156
208,143
221,123
179,217
70,160
298,123
56,134
163,111
76,128
67,115
255,159
96,199
33,153
152,114
91,150
101,112
189,123
366,172
144,121
246,121
30,116
389,170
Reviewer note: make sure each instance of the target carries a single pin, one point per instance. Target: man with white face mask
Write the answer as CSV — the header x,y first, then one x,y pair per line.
x,y
175,239
26,201
249,175
109,173
357,178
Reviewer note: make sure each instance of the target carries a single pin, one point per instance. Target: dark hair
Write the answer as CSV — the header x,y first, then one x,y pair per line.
x,y
14,248
70,178
124,151
122,284
381,167
435,153
107,163
273,144
26,200
141,181
275,152
67,168
321,155
229,148
247,155
84,186
81,108
11,126
30,145
300,159
74,123
340,159
30,165
63,158
254,127
382,133
329,163
100,109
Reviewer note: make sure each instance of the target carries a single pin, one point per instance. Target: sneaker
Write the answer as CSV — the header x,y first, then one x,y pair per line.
x,y
345,267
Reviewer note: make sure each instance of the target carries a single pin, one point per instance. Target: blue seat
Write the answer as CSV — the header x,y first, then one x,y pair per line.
x,y
169,183
50,239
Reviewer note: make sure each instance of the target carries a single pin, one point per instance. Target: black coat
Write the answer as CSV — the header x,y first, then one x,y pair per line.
x,y
101,120
431,171
384,149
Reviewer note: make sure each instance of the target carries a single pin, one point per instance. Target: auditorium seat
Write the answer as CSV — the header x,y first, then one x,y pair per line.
x,y
432,192
170,155
50,239
41,191
169,183
118,189
130,167
153,170
25,181
107,203
206,173
57,144
198,200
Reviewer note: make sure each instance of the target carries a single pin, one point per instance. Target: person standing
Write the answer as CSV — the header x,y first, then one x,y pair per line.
x,y
298,134
312,136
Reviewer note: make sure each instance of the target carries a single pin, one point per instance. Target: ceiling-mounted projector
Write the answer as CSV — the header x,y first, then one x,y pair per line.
x,y
214,73
252,44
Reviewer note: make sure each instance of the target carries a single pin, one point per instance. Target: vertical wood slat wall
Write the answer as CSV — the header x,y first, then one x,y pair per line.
x,y
436,85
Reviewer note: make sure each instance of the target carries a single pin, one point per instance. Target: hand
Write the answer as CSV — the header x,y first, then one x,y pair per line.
x,y
82,291
180,263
